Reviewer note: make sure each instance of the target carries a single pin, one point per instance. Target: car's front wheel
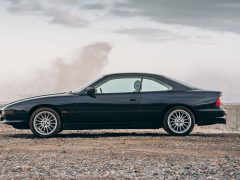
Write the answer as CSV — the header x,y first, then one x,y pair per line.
x,y
179,121
45,122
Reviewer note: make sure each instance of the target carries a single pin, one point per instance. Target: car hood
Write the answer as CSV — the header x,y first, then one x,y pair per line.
x,y
35,98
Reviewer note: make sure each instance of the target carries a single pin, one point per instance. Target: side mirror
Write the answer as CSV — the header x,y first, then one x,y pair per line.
x,y
90,91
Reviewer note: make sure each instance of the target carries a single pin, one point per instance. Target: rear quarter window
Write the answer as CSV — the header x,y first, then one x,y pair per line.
x,y
154,85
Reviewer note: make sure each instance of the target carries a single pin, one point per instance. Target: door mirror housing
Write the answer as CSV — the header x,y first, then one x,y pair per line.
x,y
90,91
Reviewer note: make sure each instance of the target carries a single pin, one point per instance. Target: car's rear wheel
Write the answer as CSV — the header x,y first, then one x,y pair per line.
x,y
179,121
45,122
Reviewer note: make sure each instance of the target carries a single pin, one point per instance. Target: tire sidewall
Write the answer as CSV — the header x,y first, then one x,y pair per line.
x,y
165,121
56,131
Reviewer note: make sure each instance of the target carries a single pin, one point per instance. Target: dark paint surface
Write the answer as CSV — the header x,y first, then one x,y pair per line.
x,y
121,110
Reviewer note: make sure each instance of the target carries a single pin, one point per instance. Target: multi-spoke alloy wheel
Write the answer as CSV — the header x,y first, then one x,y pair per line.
x,y
45,122
179,121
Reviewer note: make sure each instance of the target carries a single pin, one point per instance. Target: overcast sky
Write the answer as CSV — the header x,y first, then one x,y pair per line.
x,y
197,41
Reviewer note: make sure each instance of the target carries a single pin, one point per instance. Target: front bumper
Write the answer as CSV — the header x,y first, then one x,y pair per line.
x,y
15,122
18,124
2,119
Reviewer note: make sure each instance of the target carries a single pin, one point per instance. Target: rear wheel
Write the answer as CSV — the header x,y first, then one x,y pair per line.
x,y
179,121
45,122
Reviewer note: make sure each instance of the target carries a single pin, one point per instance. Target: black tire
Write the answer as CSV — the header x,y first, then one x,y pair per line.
x,y
61,130
166,130
55,117
189,123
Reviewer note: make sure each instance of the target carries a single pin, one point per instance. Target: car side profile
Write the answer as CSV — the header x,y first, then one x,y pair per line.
x,y
119,101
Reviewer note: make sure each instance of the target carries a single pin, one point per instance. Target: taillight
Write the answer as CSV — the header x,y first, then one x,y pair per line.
x,y
219,102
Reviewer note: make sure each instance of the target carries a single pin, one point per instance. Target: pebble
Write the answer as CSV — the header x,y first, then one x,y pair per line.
x,y
105,154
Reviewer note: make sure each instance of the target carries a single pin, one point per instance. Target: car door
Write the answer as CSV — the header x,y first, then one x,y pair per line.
x,y
115,103
153,102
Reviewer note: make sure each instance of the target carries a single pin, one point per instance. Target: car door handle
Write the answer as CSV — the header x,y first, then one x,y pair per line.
x,y
132,99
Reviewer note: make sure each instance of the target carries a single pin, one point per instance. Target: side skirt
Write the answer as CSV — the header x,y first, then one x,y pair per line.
x,y
75,126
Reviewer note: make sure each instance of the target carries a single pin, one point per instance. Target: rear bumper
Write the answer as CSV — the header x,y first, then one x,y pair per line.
x,y
211,116
217,120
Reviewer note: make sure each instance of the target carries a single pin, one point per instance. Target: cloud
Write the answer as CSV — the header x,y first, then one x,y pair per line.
x,y
122,9
66,18
63,75
16,6
150,34
58,12
95,6
220,15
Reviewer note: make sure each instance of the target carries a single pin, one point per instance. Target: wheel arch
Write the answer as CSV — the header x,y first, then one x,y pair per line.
x,y
180,105
44,106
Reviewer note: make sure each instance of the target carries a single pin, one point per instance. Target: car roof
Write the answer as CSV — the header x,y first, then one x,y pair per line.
x,y
133,74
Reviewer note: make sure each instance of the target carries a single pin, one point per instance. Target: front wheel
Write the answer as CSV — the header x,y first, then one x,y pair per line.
x,y
179,121
45,122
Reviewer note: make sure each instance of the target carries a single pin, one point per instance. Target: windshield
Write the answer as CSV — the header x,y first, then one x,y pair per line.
x,y
84,86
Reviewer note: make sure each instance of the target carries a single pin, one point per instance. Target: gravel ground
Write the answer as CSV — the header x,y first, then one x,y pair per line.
x,y
120,154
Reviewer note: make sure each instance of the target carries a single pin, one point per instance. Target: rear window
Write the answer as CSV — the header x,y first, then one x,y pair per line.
x,y
182,83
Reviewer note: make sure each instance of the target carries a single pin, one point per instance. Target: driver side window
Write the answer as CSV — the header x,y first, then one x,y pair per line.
x,y
119,85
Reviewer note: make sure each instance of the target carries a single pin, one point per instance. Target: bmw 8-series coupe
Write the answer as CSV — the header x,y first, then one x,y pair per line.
x,y
119,101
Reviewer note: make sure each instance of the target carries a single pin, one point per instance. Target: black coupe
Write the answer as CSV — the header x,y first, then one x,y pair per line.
x,y
119,101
